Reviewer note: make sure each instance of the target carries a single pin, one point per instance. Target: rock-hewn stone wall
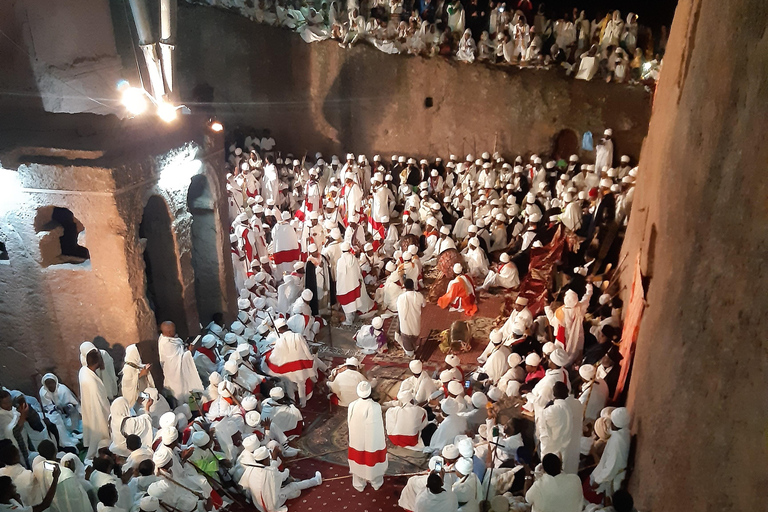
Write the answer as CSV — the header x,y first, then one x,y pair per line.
x,y
320,97
699,222
47,311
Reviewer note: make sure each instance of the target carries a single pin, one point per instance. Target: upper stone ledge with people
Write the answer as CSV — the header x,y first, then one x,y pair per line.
x,y
610,47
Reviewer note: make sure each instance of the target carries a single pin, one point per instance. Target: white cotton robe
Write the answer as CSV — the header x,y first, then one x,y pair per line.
x,y
367,452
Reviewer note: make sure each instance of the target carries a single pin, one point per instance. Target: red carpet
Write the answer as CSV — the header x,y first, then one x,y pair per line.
x,y
339,494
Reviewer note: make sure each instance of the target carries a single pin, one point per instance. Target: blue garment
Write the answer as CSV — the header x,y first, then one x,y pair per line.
x,y
478,467
586,142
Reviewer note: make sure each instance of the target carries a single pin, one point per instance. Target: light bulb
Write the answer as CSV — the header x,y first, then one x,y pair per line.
x,y
166,111
134,100
217,126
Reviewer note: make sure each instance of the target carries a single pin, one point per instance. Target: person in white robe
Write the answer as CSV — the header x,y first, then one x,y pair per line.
x,y
284,247
28,484
266,484
207,359
456,17
571,217
594,392
343,382
409,306
173,497
543,392
435,497
611,470
107,370
350,291
367,453
613,31
136,376
291,361
507,276
495,365
179,370
123,422
604,151
94,405
568,322
468,488
453,425
270,182
405,421
420,383
387,294
557,424
369,338
314,29
70,495
283,414
61,407
467,50
554,490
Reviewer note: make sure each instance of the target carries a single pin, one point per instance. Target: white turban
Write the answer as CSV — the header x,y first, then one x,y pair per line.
x,y
276,393
161,458
514,359
261,453
415,366
587,371
452,360
533,359
449,407
251,442
559,357
479,400
466,448
494,394
455,387
450,451
513,388
200,439
364,389
149,504
252,418
464,466
548,348
571,299
377,322
230,366
620,417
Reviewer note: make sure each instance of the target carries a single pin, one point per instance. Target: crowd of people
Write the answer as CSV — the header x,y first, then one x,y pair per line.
x,y
610,47
360,243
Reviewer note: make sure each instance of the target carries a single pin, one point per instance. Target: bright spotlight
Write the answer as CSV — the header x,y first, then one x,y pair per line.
x,y
166,111
216,126
134,100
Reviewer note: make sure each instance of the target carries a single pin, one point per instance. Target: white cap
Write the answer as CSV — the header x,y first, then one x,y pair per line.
x,y
276,393
457,268
279,322
620,417
364,389
455,387
149,504
533,359
452,360
608,132
415,366
504,258
548,348
307,295
352,361
559,357
345,247
252,418
377,322
587,371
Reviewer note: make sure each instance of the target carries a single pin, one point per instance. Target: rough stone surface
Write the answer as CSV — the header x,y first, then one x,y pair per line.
x,y
320,97
46,312
63,55
700,374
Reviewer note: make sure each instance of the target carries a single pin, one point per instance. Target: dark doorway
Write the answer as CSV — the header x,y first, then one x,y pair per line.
x,y
566,144
205,250
3,252
60,240
164,291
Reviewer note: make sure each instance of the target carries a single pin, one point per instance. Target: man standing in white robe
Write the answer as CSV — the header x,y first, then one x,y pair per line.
x,y
604,152
409,306
285,246
568,323
270,182
350,291
367,451
611,470
94,405
107,371
420,383
179,369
